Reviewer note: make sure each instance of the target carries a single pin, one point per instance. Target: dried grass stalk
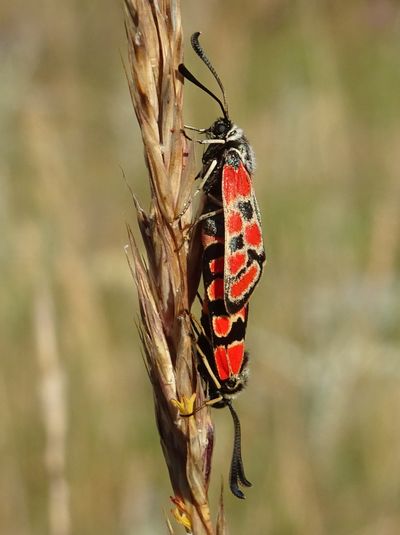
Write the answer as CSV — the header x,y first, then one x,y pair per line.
x,y
52,390
155,50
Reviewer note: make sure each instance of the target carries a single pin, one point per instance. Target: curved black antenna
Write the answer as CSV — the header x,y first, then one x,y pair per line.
x,y
237,475
202,55
189,76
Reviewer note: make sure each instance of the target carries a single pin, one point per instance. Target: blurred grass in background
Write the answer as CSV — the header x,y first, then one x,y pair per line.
x,y
316,86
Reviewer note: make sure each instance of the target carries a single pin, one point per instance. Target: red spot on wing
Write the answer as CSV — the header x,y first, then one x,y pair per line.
x,y
235,356
235,183
229,359
244,184
217,265
221,361
252,235
245,282
222,325
234,223
236,262
216,289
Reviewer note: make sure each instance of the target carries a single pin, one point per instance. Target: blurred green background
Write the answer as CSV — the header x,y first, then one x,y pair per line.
x,y
316,86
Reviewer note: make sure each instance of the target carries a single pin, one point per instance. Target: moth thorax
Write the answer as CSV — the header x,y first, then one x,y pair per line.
x,y
235,134
246,154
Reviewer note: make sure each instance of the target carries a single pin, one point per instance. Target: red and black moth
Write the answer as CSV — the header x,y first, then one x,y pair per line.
x,y
228,164
233,258
223,361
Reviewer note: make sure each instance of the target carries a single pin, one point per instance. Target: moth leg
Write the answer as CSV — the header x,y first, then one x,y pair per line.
x,y
201,141
209,171
208,368
216,201
198,329
211,141
207,403
203,217
200,130
189,229
186,136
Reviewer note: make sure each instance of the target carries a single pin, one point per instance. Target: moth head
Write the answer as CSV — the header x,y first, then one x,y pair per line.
x,y
219,129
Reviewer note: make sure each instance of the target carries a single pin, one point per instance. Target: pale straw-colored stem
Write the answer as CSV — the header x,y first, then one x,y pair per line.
x,y
54,411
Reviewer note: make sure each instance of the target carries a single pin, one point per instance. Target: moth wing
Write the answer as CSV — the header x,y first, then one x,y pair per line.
x,y
244,248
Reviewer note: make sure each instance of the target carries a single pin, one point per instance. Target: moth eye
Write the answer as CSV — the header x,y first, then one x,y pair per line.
x,y
220,128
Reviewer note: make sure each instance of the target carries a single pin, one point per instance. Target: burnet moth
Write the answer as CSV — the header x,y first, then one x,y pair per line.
x,y
228,164
233,258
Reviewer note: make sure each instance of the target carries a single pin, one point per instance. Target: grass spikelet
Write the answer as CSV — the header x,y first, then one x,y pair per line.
x,y
154,36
